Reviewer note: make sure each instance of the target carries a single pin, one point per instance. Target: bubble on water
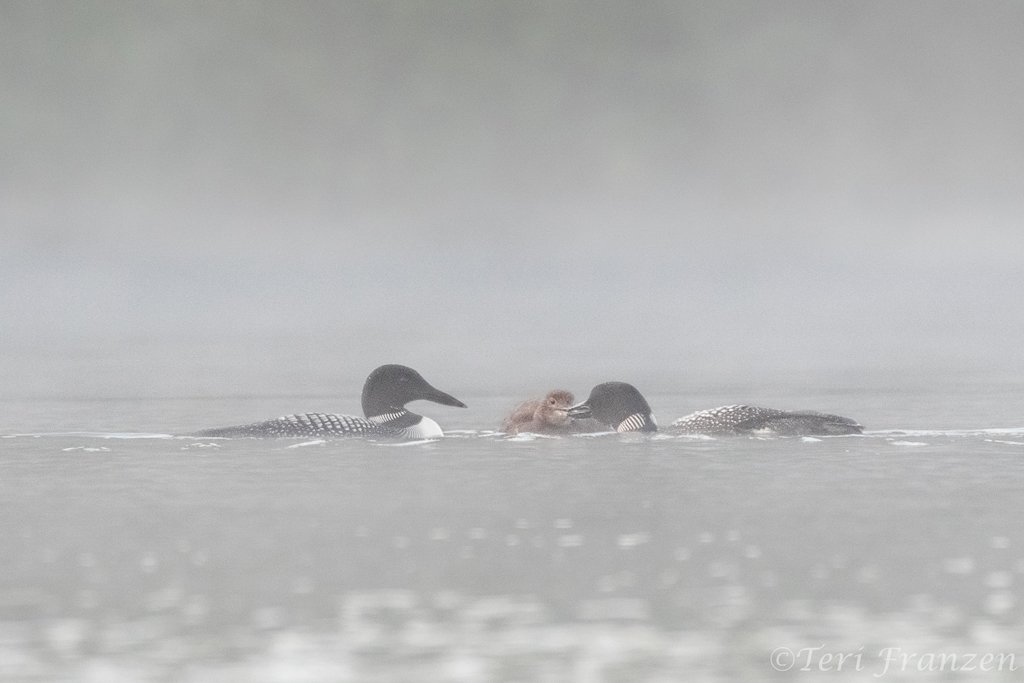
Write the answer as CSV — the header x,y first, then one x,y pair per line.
x,y
999,579
465,667
195,610
633,540
999,603
65,636
570,541
149,563
200,445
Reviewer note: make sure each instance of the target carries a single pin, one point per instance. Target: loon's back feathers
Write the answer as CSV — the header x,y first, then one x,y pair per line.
x,y
624,409
306,424
744,419
387,390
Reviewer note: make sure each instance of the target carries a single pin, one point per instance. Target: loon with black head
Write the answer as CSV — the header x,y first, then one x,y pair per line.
x,y
386,392
618,405
624,409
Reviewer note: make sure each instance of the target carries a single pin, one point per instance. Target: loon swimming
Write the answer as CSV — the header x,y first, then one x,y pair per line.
x,y
618,405
387,390
623,408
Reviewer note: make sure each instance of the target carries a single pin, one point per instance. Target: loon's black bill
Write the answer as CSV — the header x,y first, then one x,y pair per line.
x,y
438,396
580,411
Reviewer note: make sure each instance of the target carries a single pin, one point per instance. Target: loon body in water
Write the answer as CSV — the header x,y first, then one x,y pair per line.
x,y
743,419
387,390
624,409
618,405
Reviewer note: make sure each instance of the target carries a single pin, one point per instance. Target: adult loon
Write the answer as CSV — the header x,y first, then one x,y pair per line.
x,y
387,390
622,407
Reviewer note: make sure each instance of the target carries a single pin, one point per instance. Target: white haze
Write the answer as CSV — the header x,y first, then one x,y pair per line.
x,y
508,195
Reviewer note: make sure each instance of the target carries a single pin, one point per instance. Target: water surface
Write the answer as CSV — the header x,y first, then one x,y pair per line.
x,y
138,555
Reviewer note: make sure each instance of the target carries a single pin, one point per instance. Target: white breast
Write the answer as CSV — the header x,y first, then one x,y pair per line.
x,y
424,429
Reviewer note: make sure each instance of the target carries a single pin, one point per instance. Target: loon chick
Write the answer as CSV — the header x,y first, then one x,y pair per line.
x,y
622,407
541,416
387,390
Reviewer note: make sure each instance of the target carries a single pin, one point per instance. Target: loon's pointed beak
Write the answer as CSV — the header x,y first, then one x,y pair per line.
x,y
579,411
438,396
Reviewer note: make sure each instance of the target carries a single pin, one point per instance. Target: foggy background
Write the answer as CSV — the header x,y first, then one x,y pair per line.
x,y
227,198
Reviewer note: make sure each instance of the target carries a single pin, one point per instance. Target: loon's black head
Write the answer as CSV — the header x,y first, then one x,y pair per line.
x,y
618,405
390,387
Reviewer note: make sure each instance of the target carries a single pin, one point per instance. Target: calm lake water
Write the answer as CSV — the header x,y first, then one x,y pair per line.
x,y
130,554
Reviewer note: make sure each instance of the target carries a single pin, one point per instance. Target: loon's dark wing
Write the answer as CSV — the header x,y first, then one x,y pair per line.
x,y
802,423
306,424
741,419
